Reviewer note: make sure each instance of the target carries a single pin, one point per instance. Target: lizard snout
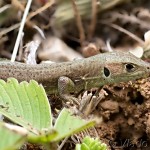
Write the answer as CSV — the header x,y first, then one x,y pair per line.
x,y
148,69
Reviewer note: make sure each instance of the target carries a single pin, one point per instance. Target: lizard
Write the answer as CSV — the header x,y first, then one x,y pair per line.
x,y
74,76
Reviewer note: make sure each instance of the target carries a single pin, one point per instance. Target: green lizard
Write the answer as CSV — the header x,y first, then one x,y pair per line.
x,y
72,77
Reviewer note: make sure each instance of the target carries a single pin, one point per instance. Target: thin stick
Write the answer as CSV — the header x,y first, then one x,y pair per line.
x,y
125,31
4,8
79,23
62,144
41,9
20,31
7,30
93,19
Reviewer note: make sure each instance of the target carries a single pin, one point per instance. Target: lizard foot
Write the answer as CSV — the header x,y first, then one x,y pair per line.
x,y
65,86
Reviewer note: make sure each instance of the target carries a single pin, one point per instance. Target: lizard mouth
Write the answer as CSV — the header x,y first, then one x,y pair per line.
x,y
142,73
138,75
129,77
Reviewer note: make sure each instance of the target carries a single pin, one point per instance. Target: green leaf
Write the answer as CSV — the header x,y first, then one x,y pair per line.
x,y
25,104
67,124
12,136
89,143
78,146
46,137
84,147
95,146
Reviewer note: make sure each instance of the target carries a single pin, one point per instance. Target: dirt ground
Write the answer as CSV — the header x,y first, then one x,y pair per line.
x,y
126,116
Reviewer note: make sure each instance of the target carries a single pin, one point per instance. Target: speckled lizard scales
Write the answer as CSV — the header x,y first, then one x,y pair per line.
x,y
83,74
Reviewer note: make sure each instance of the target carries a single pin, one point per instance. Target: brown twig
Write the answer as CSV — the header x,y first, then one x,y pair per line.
x,y
79,23
93,19
41,9
130,18
17,4
133,36
6,30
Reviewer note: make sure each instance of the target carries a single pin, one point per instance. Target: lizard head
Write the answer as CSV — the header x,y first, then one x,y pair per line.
x,y
121,66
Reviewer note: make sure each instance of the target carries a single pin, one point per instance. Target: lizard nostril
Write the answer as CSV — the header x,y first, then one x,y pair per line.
x,y
106,72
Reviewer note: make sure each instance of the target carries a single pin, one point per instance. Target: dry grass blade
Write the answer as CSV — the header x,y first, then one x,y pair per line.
x,y
15,50
41,9
79,23
5,31
133,36
93,18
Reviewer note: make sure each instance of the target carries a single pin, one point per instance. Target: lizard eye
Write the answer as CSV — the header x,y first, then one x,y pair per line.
x,y
106,72
130,67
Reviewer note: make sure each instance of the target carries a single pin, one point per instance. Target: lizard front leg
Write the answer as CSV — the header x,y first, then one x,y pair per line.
x,y
65,86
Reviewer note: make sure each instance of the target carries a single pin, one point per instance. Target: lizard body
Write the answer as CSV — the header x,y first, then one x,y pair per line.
x,y
77,75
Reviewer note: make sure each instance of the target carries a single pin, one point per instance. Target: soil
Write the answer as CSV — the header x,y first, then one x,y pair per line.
x,y
125,111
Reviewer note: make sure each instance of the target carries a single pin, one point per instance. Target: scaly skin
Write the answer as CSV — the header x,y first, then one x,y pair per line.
x,y
74,76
